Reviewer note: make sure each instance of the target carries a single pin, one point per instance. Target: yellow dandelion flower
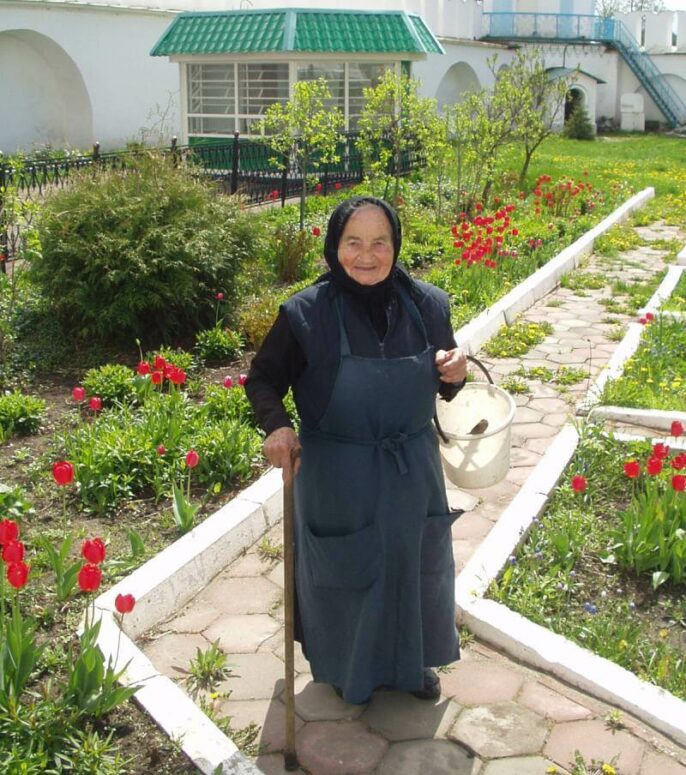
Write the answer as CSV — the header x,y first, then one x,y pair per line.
x,y
552,770
663,633
623,645
608,769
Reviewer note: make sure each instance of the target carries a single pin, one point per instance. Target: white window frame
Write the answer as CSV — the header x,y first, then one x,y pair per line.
x,y
293,62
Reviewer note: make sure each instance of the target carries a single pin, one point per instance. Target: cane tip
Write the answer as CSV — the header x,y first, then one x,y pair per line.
x,y
290,761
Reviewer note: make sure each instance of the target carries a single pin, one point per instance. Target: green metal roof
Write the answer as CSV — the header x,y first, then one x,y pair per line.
x,y
295,29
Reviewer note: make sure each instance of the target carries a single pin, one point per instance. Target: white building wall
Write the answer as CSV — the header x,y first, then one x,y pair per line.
x,y
128,90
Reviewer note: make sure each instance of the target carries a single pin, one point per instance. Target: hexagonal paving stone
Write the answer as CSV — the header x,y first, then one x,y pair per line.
x,y
172,653
519,456
242,634
519,475
526,414
250,564
400,716
471,525
548,703
528,430
299,662
520,765
654,763
595,741
319,702
269,715
481,683
254,677
428,757
272,764
547,405
339,748
241,595
194,618
506,729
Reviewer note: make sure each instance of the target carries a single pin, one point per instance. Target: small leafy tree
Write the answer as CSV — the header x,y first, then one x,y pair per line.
x,y
608,8
541,100
306,129
395,121
579,126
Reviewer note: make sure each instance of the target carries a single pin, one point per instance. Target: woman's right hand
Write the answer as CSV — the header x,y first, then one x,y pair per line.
x,y
280,449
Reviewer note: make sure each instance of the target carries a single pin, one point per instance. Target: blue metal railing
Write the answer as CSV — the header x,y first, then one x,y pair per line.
x,y
587,28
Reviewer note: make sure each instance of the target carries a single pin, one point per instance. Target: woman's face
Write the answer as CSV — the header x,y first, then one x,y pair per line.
x,y
365,250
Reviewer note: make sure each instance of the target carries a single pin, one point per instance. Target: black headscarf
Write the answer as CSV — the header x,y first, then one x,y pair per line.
x,y
339,217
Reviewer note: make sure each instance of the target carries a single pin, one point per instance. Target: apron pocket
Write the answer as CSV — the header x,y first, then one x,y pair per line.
x,y
344,562
437,544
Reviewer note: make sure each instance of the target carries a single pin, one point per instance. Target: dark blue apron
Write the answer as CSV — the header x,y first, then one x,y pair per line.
x,y
374,567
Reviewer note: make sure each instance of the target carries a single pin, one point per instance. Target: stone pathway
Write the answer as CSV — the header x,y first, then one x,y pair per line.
x,y
495,717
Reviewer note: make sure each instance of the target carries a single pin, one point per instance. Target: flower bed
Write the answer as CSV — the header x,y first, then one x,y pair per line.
x,y
654,377
604,564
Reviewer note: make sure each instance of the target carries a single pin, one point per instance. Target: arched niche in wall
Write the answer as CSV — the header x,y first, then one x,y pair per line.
x,y
43,95
575,96
459,80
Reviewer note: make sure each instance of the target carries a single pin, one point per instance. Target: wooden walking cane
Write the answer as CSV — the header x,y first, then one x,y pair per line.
x,y
290,757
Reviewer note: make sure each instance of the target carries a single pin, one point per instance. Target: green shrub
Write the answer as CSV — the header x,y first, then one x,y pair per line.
x,y
20,414
182,359
578,126
116,456
113,382
139,252
294,250
218,344
259,312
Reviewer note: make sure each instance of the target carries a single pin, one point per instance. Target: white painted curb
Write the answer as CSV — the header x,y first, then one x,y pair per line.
x,y
681,257
664,290
173,577
536,645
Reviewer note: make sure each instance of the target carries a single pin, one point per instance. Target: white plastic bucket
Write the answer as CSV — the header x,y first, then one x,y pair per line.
x,y
479,460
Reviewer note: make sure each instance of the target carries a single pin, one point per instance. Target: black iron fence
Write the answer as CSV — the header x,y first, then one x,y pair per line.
x,y
239,165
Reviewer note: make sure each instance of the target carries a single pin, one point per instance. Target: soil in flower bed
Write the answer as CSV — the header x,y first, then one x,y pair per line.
x,y
26,463
565,575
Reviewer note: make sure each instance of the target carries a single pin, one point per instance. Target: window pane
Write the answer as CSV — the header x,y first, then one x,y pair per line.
x,y
198,125
334,75
211,89
261,85
361,76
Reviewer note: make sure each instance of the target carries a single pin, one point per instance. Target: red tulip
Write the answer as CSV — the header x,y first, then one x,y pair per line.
x,y
579,483
157,377
318,187
9,531
78,394
650,317
242,379
654,466
159,362
678,462
89,578
679,482
95,403
161,450
337,186
660,451
316,231
63,473
13,552
177,376
17,574
192,458
677,428
643,320
143,368
93,550
632,469
124,603
219,296
228,382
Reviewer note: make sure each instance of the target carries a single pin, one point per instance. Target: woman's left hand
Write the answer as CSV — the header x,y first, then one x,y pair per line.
x,y
452,364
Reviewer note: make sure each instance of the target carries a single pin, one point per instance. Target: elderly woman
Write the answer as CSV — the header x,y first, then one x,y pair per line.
x,y
366,349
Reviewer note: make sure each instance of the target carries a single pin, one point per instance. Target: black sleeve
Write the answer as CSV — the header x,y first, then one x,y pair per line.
x,y
276,366
446,341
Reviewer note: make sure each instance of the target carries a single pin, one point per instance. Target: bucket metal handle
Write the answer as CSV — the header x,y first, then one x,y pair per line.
x,y
478,363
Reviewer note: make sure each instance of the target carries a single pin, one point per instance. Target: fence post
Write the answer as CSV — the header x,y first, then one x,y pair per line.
x,y
4,252
284,180
235,162
96,151
174,152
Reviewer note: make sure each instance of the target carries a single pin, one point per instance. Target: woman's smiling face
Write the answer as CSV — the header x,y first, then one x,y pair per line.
x,y
365,250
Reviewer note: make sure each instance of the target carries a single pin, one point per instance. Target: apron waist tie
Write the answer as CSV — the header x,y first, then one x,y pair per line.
x,y
392,444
